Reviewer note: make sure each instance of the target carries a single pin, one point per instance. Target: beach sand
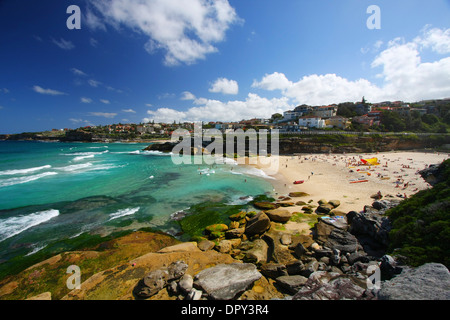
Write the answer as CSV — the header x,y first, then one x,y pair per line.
x,y
328,176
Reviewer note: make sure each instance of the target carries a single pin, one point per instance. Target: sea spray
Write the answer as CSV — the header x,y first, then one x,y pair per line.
x,y
20,180
12,226
24,171
123,213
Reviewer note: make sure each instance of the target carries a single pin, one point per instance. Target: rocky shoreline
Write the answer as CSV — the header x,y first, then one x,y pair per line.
x,y
252,256
331,263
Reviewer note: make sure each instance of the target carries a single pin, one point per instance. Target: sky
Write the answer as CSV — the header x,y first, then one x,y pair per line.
x,y
136,61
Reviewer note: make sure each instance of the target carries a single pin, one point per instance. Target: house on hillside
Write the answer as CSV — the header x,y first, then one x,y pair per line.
x,y
326,111
337,122
311,122
291,115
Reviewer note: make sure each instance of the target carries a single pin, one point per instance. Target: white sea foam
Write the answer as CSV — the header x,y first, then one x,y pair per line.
x,y
24,171
89,166
25,179
206,171
240,200
76,167
36,249
98,147
10,227
123,213
135,152
257,172
85,153
79,158
156,153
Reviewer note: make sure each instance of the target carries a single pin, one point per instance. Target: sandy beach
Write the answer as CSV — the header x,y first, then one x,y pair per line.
x,y
330,176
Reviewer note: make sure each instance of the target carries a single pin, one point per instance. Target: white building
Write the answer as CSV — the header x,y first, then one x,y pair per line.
x,y
311,122
291,115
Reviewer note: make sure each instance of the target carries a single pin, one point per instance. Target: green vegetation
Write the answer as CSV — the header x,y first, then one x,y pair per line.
x,y
310,219
82,242
421,224
205,214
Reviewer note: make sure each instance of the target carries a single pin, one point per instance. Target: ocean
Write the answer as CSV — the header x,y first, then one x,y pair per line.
x,y
53,193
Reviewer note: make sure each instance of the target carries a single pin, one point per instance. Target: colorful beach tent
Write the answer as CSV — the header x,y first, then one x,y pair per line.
x,y
370,162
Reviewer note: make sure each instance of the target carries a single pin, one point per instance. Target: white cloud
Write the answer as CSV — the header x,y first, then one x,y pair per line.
x,y
77,121
64,44
105,101
225,86
436,39
186,30
166,95
86,100
50,92
94,83
214,110
103,114
93,42
78,72
128,110
4,90
149,105
93,22
165,115
274,81
186,95
404,76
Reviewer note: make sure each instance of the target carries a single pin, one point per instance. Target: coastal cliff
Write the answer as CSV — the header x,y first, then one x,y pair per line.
x,y
332,144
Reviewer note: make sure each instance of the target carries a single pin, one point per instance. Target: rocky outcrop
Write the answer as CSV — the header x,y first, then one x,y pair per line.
x,y
430,281
371,227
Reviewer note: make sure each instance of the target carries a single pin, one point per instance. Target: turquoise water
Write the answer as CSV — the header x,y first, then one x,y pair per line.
x,y
55,191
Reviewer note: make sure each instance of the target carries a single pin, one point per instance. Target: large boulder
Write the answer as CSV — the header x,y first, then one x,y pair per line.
x,y
324,208
279,215
258,253
342,241
298,194
257,225
226,281
265,205
326,225
430,281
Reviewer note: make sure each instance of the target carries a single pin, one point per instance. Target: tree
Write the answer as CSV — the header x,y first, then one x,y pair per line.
x,y
276,116
392,121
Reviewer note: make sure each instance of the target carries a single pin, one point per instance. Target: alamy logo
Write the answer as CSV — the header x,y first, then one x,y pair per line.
x,y
374,277
74,281
374,21
209,146
74,21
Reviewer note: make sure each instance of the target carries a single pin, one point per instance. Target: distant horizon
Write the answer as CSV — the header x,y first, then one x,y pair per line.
x,y
95,63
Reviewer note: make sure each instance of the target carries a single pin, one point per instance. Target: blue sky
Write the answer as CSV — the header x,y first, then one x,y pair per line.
x,y
192,60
